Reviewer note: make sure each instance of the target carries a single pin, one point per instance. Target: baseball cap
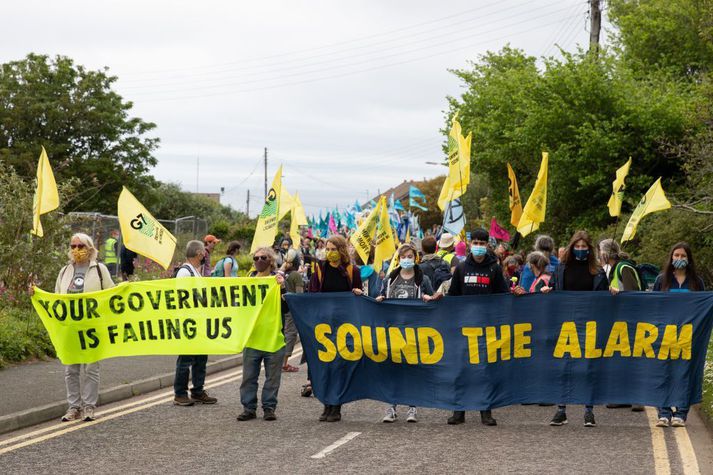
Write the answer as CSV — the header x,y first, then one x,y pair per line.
x,y
210,238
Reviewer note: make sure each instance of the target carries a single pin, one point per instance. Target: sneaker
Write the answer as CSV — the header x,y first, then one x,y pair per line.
x,y
486,418
637,408
560,419
88,414
390,415
203,398
183,401
677,422
335,414
325,413
589,419
269,414
662,422
306,390
72,414
247,415
411,415
458,417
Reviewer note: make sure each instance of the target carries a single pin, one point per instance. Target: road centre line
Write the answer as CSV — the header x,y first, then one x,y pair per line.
x,y
662,464
325,451
66,428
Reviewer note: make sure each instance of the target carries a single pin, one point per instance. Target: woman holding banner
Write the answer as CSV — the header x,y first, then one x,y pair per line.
x,y
336,274
82,274
537,262
407,281
579,271
678,275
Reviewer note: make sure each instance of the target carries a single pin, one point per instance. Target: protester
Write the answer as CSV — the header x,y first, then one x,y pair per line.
x,y
264,262
446,247
437,270
228,265
511,270
546,245
337,274
191,365
294,285
621,272
320,252
479,274
209,242
677,275
82,274
111,252
407,281
370,280
307,257
460,251
282,251
126,262
578,271
538,263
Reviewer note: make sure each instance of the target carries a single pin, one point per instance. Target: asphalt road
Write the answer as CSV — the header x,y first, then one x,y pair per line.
x,y
150,435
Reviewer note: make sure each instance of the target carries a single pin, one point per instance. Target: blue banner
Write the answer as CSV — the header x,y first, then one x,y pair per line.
x,y
483,352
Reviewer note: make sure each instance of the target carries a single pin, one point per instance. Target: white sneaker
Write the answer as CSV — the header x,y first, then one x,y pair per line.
x,y
662,422
390,415
677,422
411,416
72,414
88,414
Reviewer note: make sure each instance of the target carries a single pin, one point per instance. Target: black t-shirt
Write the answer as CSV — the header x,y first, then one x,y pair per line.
x,y
334,281
577,276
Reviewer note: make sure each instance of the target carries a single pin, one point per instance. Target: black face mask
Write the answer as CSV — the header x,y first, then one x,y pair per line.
x,y
262,265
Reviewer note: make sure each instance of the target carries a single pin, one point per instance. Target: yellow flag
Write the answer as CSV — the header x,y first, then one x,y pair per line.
x,y
514,193
286,203
385,243
297,218
361,239
392,265
618,190
654,200
46,195
266,227
534,212
142,233
408,235
458,165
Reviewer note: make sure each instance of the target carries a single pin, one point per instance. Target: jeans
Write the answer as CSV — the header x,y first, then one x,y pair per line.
x,y
193,365
290,330
252,360
82,391
669,412
587,408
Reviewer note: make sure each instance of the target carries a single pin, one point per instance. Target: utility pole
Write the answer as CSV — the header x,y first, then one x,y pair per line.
x,y
595,17
198,169
265,172
247,205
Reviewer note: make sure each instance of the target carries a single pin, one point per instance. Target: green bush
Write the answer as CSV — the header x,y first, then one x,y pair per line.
x,y
22,336
707,403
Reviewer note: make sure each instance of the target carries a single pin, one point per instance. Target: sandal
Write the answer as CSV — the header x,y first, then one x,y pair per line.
x,y
288,368
306,390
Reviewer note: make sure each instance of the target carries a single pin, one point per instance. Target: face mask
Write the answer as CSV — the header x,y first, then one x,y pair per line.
x,y
262,265
80,255
406,263
680,263
581,254
333,256
478,250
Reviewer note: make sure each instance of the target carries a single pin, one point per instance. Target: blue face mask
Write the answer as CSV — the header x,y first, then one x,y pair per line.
x,y
581,254
680,263
406,263
478,251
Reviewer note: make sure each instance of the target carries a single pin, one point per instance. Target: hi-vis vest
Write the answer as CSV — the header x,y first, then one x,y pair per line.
x,y
616,275
445,255
109,252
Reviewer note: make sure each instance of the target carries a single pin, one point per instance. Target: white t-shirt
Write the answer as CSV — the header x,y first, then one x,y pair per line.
x,y
183,272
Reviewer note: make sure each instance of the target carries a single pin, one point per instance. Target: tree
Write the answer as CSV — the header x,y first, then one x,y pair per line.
x,y
84,125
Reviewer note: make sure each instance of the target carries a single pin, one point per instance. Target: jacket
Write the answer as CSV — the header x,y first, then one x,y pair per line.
x,y
423,283
96,278
600,280
478,278
527,277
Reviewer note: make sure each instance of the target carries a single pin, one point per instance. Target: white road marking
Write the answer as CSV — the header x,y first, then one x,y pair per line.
x,y
325,451
662,465
109,414
685,450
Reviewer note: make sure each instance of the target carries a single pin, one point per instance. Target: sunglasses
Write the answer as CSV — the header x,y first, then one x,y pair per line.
x,y
260,258
77,246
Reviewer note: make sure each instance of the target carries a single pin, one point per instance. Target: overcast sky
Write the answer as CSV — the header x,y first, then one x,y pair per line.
x,y
348,96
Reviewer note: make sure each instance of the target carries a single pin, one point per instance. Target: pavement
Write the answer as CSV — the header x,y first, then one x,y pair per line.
x,y
147,434
35,392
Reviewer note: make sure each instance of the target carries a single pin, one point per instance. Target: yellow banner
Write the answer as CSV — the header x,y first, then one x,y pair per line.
x,y
654,200
361,239
617,195
385,242
534,212
266,227
46,195
142,233
514,194
298,218
190,316
458,165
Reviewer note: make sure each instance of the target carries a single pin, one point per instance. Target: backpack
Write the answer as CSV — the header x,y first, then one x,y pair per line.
x,y
647,275
182,266
219,269
437,270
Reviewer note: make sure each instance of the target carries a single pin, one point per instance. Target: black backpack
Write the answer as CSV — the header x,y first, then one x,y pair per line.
x,y
182,266
647,275
437,270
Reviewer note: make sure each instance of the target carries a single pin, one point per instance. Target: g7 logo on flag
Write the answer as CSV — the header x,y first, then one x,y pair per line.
x,y
138,222
141,224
